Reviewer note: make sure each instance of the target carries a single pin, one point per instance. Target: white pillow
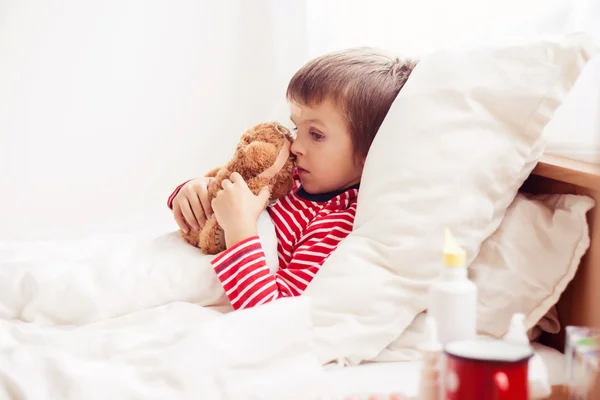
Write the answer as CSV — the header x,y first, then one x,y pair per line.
x,y
522,268
459,140
527,263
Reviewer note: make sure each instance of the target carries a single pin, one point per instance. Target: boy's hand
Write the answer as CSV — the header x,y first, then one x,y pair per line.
x,y
191,206
237,209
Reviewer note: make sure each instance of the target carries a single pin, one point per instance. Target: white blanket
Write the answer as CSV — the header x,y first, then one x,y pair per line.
x,y
143,316
140,316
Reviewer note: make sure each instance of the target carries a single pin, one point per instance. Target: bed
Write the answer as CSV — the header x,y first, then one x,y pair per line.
x,y
74,324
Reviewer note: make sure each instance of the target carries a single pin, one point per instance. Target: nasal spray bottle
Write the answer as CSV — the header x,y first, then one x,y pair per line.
x,y
537,373
453,298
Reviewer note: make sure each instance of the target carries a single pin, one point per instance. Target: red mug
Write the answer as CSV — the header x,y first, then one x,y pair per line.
x,y
486,370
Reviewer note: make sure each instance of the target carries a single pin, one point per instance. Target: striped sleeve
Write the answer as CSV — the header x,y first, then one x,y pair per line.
x,y
245,276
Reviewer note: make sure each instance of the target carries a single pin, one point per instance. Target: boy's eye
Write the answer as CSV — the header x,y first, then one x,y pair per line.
x,y
317,136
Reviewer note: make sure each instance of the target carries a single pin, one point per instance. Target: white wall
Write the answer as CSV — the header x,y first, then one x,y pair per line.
x,y
106,105
415,28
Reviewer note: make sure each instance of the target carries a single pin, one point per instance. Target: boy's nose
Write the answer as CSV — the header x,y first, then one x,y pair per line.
x,y
296,148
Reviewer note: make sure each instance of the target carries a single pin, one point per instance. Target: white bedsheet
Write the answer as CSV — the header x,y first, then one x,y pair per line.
x,y
140,316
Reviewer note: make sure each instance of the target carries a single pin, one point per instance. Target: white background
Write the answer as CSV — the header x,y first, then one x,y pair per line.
x,y
105,106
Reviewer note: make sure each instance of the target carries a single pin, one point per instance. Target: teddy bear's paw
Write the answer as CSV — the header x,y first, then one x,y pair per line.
x,y
190,237
183,235
220,239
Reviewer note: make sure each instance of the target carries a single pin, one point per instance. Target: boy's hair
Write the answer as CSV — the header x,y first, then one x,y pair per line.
x,y
362,81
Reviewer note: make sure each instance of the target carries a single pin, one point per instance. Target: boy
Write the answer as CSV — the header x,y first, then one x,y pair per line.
x,y
337,103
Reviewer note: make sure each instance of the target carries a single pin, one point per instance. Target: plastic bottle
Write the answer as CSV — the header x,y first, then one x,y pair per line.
x,y
516,330
453,298
431,351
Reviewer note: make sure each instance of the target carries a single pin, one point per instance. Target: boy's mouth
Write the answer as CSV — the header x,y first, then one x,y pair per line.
x,y
300,169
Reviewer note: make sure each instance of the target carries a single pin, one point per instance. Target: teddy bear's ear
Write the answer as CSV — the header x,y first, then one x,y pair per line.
x,y
244,141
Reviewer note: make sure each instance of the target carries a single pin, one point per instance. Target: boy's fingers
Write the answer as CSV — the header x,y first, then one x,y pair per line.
x,y
206,206
188,215
197,209
226,183
236,177
180,221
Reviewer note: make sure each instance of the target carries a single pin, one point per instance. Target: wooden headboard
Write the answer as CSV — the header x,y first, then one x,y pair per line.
x,y
580,303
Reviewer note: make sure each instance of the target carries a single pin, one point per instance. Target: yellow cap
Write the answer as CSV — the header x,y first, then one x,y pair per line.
x,y
454,255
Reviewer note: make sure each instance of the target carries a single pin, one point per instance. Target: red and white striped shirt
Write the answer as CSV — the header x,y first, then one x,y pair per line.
x,y
308,228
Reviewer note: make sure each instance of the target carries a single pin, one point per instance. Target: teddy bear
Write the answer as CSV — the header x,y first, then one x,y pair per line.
x,y
262,157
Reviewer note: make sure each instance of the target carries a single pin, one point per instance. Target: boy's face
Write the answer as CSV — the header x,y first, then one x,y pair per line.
x,y
323,148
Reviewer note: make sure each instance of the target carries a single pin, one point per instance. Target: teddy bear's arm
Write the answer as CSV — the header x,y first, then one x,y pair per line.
x,y
215,183
257,183
213,172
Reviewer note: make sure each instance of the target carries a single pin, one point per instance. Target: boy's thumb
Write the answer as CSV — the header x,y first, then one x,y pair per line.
x,y
264,194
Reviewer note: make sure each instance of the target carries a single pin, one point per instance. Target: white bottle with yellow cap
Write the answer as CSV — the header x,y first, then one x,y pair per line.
x,y
453,297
